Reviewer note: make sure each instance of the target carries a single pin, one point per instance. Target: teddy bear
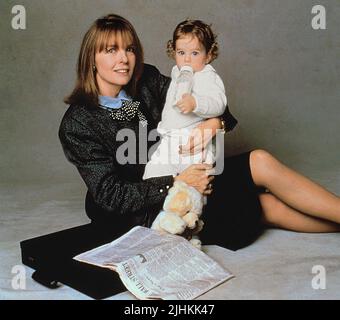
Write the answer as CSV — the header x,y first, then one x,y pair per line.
x,y
181,213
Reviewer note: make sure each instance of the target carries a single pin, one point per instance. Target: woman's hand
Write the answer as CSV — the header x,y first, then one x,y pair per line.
x,y
197,176
200,136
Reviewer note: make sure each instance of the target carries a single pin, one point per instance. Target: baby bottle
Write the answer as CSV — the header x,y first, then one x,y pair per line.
x,y
184,82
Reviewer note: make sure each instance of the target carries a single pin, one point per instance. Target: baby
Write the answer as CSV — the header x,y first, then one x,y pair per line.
x,y
193,47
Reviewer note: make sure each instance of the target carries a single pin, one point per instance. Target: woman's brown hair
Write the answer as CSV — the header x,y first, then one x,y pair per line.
x,y
96,40
196,28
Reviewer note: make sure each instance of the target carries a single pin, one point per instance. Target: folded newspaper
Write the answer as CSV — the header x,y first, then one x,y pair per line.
x,y
155,266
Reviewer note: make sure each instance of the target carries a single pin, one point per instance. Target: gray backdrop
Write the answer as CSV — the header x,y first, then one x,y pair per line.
x,y
282,77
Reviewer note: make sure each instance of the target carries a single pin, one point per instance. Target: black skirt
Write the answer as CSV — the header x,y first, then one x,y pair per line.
x,y
233,214
232,217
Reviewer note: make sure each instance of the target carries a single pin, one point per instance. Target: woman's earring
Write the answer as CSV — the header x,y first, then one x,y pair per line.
x,y
94,68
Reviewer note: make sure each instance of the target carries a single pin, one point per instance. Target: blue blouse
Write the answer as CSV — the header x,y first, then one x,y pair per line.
x,y
114,103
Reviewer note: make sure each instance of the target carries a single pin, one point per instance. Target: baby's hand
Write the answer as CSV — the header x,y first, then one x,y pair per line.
x,y
187,104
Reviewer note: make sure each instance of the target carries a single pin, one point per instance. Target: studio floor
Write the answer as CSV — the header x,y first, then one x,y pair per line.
x,y
279,265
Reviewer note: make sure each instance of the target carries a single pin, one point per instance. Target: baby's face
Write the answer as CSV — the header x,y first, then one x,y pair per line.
x,y
190,52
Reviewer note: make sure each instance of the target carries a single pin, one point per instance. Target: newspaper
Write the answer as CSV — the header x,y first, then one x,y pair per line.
x,y
155,266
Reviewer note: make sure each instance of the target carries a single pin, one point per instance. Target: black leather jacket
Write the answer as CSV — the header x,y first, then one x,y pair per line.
x,y
116,192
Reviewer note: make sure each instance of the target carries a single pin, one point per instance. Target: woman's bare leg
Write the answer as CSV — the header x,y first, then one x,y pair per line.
x,y
293,189
278,214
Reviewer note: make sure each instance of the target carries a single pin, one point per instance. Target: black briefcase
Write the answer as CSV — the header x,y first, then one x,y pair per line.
x,y
51,258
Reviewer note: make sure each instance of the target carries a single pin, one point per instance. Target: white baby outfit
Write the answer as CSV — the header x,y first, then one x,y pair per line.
x,y
175,127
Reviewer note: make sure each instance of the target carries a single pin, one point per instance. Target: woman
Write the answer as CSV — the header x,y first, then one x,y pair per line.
x,y
110,71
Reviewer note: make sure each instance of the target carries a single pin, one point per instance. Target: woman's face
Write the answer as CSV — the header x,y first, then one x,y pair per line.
x,y
114,66
190,52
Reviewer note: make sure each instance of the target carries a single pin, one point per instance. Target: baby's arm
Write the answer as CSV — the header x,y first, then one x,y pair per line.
x,y
209,95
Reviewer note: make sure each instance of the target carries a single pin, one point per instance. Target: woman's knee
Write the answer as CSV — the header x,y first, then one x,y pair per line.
x,y
260,156
260,162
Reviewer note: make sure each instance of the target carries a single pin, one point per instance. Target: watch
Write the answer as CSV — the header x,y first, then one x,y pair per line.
x,y
223,125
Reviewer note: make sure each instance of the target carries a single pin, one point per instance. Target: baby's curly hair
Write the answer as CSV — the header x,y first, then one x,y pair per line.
x,y
199,29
